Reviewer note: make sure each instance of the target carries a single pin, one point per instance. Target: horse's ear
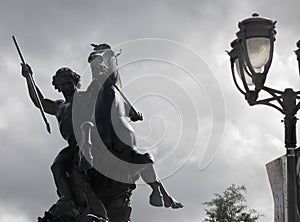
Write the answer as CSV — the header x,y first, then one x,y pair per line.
x,y
117,53
94,45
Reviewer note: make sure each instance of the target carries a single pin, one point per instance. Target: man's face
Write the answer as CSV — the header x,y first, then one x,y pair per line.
x,y
104,63
67,86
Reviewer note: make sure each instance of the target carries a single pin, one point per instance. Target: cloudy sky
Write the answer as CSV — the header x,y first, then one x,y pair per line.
x,y
174,68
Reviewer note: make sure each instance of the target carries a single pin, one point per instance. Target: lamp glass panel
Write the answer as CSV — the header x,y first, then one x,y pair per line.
x,y
258,51
247,77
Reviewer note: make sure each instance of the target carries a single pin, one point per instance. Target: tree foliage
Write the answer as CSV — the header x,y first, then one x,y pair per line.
x,y
230,207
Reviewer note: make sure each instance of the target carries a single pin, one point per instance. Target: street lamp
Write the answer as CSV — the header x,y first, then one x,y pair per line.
x,y
251,57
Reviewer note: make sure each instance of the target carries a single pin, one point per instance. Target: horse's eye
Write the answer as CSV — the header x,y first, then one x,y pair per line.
x,y
108,54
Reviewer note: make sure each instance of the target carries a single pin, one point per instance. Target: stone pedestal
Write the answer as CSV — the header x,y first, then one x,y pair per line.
x,y
278,180
277,173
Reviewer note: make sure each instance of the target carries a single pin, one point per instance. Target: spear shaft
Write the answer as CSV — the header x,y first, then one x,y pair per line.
x,y
124,97
39,103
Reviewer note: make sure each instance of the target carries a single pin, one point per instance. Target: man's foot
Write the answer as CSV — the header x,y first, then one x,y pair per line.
x,y
156,199
171,202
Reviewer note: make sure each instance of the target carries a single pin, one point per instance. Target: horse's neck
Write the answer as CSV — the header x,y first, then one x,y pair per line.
x,y
107,100
107,94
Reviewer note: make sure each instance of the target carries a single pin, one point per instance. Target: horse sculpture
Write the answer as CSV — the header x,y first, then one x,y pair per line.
x,y
113,139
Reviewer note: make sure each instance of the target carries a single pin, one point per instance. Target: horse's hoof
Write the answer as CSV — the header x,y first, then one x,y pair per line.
x,y
156,200
171,202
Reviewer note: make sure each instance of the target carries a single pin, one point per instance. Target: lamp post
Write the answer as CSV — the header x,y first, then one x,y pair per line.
x,y
251,57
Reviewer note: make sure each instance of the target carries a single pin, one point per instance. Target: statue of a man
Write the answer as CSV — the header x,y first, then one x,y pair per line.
x,y
65,168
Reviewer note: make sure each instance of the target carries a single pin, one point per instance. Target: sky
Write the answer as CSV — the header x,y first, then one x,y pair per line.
x,y
174,68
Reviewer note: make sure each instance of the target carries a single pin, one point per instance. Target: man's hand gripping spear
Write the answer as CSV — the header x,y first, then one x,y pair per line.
x,y
32,82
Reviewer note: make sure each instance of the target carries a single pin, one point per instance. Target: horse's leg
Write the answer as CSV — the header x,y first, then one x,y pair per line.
x,y
159,195
150,177
168,200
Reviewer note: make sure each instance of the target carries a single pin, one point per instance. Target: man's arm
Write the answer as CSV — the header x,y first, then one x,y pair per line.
x,y
48,105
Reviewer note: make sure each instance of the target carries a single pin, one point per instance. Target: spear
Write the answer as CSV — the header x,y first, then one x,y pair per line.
x,y
126,100
39,103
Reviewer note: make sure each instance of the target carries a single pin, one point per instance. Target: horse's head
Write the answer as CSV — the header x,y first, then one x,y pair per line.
x,y
103,63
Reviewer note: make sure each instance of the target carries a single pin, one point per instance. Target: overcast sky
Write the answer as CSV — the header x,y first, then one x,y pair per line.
x,y
203,134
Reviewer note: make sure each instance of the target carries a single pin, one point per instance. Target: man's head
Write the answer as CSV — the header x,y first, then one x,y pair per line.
x,y
66,80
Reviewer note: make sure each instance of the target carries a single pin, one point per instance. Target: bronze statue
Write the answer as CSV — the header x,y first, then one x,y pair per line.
x,y
85,193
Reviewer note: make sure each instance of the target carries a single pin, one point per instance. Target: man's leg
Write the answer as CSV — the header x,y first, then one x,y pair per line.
x,y
60,166
86,198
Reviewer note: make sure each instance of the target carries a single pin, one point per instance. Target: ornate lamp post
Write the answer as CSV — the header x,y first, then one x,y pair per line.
x,y
250,58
